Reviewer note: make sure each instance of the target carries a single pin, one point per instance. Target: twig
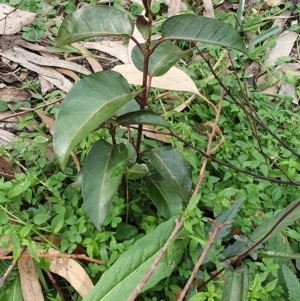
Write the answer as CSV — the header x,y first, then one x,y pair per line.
x,y
163,250
257,119
210,138
244,254
25,110
57,288
10,268
203,255
54,256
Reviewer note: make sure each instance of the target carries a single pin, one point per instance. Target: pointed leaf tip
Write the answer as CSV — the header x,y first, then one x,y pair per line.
x,y
102,173
90,102
202,29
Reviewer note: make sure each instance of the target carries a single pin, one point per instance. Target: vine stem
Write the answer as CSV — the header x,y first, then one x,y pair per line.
x,y
212,236
163,250
211,136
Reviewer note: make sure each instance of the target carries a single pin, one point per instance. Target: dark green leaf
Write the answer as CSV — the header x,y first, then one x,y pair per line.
x,y
143,26
173,167
228,215
131,150
93,21
137,171
266,226
102,173
125,232
130,106
142,117
90,102
202,29
236,285
161,60
165,199
117,283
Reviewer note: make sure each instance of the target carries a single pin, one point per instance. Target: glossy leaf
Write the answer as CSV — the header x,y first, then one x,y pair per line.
x,y
266,226
236,285
165,56
167,202
118,282
142,117
132,155
130,106
137,171
202,29
173,167
90,102
102,173
93,21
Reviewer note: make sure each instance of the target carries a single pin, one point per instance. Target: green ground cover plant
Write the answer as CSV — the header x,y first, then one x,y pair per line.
x,y
199,216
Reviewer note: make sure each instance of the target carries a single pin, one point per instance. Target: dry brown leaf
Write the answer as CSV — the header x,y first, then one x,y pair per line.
x,y
93,63
45,85
185,104
51,62
9,93
49,122
15,20
174,7
150,132
48,73
30,284
175,79
72,271
158,135
116,49
7,170
8,120
283,18
208,9
69,73
31,46
271,3
6,137
283,47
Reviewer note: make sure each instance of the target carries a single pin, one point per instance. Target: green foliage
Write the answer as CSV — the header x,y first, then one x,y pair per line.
x,y
134,187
